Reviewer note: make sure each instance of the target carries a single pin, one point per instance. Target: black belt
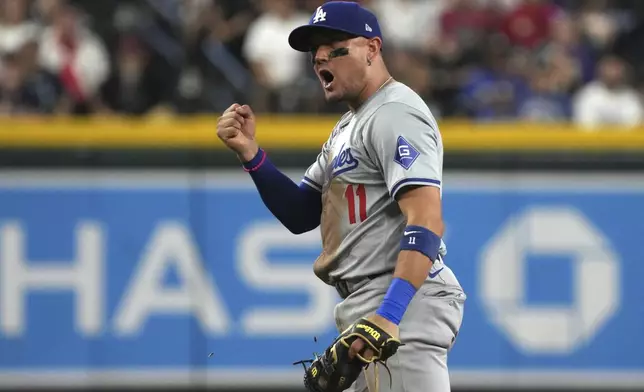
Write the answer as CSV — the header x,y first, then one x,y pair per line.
x,y
346,287
343,289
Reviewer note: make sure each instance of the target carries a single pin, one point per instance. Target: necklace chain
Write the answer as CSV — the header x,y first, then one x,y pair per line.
x,y
383,85
379,88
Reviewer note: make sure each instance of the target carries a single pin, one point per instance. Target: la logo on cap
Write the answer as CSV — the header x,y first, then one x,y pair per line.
x,y
320,15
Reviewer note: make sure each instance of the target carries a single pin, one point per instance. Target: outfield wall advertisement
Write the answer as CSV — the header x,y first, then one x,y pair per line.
x,y
184,278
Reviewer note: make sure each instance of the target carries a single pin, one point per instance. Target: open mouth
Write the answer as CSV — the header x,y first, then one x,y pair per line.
x,y
327,78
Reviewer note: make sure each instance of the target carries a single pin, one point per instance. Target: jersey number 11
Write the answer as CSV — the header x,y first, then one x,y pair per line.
x,y
350,195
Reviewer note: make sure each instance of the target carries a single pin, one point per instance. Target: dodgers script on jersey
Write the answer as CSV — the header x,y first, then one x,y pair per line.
x,y
390,142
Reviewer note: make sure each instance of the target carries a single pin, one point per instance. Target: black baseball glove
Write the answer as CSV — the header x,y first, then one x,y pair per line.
x,y
334,371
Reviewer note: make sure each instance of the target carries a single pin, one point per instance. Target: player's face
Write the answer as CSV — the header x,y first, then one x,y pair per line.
x,y
340,62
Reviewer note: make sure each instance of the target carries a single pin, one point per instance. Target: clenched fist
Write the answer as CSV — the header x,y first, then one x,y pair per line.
x,y
236,128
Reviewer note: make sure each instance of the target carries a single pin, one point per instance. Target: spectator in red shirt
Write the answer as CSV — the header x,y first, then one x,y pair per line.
x,y
468,22
528,25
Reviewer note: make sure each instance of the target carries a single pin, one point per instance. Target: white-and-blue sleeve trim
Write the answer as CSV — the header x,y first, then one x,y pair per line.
x,y
312,184
413,181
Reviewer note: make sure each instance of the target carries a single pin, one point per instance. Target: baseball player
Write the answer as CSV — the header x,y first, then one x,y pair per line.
x,y
375,191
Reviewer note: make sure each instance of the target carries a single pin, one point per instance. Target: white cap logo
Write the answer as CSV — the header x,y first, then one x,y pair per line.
x,y
320,15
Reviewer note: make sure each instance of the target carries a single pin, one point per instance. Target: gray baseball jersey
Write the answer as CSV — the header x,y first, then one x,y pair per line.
x,y
390,142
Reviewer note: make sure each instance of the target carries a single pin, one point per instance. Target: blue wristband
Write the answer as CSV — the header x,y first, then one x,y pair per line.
x,y
396,300
421,240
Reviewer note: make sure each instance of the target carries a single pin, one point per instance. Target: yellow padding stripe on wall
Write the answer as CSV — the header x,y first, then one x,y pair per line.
x,y
298,132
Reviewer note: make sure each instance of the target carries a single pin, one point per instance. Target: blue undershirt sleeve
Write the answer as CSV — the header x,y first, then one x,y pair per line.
x,y
297,207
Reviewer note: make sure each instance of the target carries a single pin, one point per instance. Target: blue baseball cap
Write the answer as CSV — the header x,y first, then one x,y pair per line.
x,y
341,16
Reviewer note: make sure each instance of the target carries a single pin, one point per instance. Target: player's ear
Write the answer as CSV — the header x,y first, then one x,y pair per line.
x,y
374,46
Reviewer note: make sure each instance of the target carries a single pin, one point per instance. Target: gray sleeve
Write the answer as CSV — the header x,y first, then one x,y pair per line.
x,y
406,146
314,176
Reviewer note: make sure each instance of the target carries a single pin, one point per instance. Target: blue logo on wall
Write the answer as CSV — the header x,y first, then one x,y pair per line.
x,y
406,154
343,162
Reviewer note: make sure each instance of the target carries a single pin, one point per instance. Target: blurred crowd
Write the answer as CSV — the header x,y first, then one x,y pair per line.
x,y
488,60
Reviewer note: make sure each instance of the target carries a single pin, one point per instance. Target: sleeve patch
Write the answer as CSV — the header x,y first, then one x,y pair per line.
x,y
406,154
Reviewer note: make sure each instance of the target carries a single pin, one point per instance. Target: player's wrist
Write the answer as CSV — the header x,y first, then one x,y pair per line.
x,y
251,161
396,301
248,152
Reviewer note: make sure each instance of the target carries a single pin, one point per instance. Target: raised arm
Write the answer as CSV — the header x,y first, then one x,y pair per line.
x,y
298,208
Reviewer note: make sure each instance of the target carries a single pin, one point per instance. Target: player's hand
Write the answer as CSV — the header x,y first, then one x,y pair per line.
x,y
236,128
383,323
